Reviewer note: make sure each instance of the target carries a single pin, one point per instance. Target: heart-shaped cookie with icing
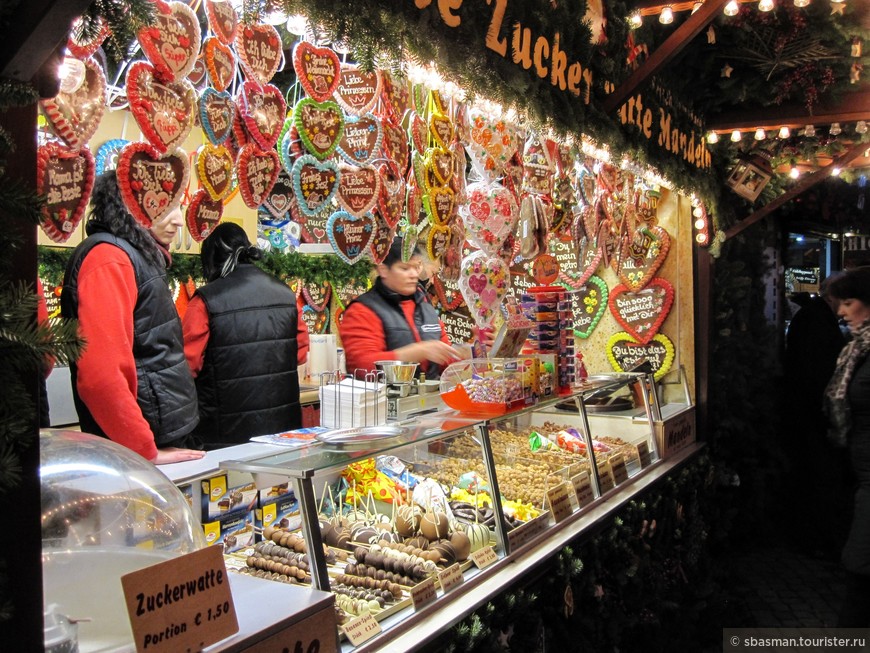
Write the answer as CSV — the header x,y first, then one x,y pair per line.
x,y
257,171
391,203
65,177
260,51
222,20
219,63
315,183
358,189
278,200
317,69
216,112
316,321
441,163
82,48
214,166
589,305
350,235
203,215
641,255
589,259
263,110
164,111
382,240
361,141
172,42
316,295
396,147
483,281
441,129
438,241
74,116
641,313
440,203
395,96
489,215
151,185
624,352
357,90
417,130
320,126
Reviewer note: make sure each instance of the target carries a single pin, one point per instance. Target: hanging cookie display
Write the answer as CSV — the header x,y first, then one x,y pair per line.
x,y
263,109
641,313
315,183
361,141
395,96
214,167
75,112
489,215
358,189
383,238
65,177
220,64
317,70
171,44
203,215
589,304
260,52
391,202
216,112
395,146
358,91
316,321
222,20
350,235
483,282
164,111
257,171
151,185
320,126
316,295
278,199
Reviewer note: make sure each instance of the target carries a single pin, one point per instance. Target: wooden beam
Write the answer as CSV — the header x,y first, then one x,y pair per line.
x,y
804,184
664,53
851,108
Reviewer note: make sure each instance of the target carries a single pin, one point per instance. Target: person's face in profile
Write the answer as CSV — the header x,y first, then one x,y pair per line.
x,y
165,228
854,313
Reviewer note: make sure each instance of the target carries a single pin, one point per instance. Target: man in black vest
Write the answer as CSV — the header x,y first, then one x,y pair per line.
x,y
395,321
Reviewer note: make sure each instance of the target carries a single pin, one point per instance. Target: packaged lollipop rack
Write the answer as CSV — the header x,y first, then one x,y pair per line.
x,y
549,308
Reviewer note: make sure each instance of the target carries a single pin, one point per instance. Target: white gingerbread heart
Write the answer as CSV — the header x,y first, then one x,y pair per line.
x,y
483,281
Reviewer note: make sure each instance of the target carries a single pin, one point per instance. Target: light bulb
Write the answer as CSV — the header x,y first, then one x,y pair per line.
x,y
784,132
835,129
794,173
696,6
297,24
836,172
712,138
810,130
759,134
801,3
667,16
698,212
732,8
700,224
635,20
701,238
861,127
736,135
766,5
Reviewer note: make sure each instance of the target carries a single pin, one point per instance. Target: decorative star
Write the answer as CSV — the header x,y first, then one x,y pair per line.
x,y
838,8
711,36
726,71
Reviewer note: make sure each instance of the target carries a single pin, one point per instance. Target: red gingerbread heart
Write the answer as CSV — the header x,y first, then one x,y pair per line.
x,y
643,312
317,69
75,115
203,215
396,146
391,203
264,110
165,112
172,43
257,171
358,189
358,91
82,48
383,238
219,63
260,51
65,177
316,295
143,179
222,19
396,96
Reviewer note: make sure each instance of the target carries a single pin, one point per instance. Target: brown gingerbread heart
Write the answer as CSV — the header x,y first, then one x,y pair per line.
x,y
641,255
214,164
151,185
357,90
203,215
75,115
257,171
259,49
171,43
358,189
65,177
164,111
641,313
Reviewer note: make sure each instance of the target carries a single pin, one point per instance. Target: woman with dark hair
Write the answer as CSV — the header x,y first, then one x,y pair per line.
x,y
847,404
243,339
131,383
395,321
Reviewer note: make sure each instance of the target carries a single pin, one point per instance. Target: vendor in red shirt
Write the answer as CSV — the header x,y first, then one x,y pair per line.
x,y
395,321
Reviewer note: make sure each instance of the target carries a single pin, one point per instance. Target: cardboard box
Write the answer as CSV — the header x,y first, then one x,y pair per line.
x,y
234,530
676,433
281,512
220,499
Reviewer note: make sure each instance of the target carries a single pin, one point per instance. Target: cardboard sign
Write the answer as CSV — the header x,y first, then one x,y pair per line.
x,y
676,433
361,629
605,478
484,557
559,502
643,455
181,604
617,467
314,633
450,577
583,489
423,594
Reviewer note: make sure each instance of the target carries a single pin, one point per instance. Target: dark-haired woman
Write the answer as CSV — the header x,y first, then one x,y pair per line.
x,y
243,339
131,383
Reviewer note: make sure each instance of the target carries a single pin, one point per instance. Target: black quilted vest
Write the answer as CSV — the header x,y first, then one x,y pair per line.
x,y
248,384
165,390
387,305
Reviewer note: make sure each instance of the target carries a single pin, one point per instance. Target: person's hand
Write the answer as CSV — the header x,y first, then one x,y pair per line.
x,y
176,455
486,335
428,350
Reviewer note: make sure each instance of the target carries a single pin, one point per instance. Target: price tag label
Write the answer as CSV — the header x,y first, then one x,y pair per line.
x,y
450,577
560,502
361,629
583,488
617,466
181,604
605,478
423,593
484,557
643,455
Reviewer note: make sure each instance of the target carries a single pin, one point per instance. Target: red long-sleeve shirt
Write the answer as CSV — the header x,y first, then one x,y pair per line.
x,y
196,333
363,338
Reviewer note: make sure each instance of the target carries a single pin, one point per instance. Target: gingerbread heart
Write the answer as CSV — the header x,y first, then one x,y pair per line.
x,y
417,129
438,241
222,19
317,69
316,321
440,204
589,258
383,238
65,177
447,294
107,155
278,200
219,63
396,95
214,165
361,141
358,91
396,146
289,146
172,42
538,167
489,215
643,312
441,163
642,255
260,51
203,215
216,112
313,226
163,111
588,306
624,352
391,203
451,260
316,295
257,171
350,235
320,126
315,183
151,185
358,189
493,142
81,47
414,203
263,111
441,129
75,115
483,281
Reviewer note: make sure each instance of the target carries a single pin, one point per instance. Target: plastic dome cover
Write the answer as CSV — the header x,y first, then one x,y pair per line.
x,y
106,512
